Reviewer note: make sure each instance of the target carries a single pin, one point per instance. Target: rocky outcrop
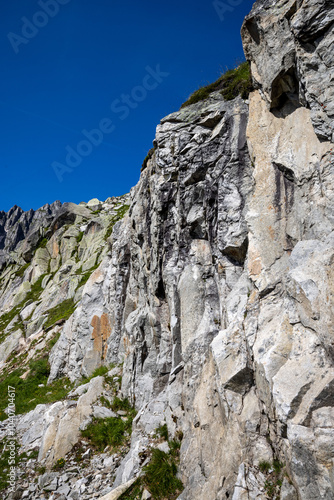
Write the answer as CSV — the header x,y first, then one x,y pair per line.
x,y
214,292
290,45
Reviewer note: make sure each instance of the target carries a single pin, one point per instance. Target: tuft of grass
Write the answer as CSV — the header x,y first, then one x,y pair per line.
x,y
22,270
134,492
80,236
120,214
62,311
147,158
162,431
98,372
42,243
122,404
264,466
160,476
60,464
274,476
110,431
234,82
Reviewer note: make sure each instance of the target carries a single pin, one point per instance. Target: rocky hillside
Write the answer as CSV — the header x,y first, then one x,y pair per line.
x,y
177,343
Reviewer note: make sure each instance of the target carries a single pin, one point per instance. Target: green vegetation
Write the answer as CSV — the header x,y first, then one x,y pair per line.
x,y
147,158
162,431
62,311
122,404
111,431
274,478
42,243
80,236
264,466
22,270
98,372
53,341
133,493
28,392
121,211
160,476
60,464
234,82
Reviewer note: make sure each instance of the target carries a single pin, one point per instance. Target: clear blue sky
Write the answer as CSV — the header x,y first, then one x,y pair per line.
x,y
63,76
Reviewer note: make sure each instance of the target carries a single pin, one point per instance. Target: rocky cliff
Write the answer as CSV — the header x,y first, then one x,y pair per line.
x,y
207,294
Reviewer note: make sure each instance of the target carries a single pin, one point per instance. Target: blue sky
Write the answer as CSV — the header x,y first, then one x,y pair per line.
x,y
115,67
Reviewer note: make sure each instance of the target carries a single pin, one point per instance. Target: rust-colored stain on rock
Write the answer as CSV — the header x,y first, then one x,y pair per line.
x,y
101,333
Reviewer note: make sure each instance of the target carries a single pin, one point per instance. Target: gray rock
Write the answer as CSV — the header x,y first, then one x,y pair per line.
x,y
102,412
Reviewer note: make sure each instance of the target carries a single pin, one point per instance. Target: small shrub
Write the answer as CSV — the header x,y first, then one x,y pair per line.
x,y
34,453
160,476
236,82
121,211
105,402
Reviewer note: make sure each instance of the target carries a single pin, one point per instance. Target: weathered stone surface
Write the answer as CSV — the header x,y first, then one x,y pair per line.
x,y
290,45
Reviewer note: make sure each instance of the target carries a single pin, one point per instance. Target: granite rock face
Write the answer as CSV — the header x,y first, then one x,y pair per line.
x,y
291,46
214,292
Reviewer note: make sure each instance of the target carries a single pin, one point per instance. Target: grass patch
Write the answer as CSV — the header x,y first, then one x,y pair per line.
x,y
111,431
134,492
42,243
22,270
79,237
274,478
28,394
61,311
234,82
147,158
98,372
162,431
160,476
120,214
264,466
